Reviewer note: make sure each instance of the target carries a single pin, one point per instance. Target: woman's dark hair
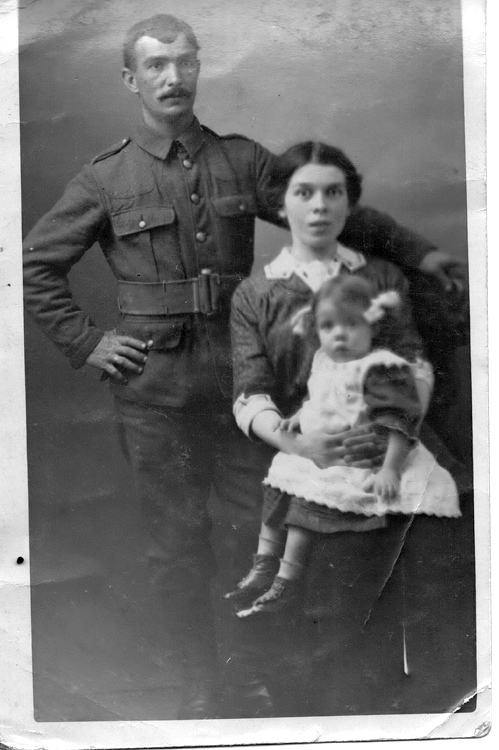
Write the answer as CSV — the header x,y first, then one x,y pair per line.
x,y
164,27
311,152
349,293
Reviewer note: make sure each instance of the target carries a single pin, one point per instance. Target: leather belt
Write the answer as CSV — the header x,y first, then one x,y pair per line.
x,y
201,294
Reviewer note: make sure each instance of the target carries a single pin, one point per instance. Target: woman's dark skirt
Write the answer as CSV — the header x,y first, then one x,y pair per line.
x,y
281,509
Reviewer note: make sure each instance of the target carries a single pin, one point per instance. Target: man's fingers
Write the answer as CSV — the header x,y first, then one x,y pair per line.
x,y
127,364
444,279
115,374
133,354
133,343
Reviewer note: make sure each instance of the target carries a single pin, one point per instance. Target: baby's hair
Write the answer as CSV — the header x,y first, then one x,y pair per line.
x,y
354,295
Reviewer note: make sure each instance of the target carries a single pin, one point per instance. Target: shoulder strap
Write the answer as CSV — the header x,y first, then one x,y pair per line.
x,y
115,149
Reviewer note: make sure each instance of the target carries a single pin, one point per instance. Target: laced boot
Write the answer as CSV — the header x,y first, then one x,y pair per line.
x,y
257,581
280,595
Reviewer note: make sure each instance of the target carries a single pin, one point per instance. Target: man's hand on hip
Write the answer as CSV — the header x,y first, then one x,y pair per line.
x,y
116,354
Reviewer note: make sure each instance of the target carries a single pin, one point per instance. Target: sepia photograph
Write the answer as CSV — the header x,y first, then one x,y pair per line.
x,y
245,445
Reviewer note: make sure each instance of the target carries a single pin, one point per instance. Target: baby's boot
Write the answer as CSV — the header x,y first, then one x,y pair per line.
x,y
257,581
281,594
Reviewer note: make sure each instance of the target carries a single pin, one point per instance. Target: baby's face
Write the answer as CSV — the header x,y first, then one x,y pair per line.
x,y
343,336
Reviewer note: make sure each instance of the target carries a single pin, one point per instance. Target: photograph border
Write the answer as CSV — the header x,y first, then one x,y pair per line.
x,y
17,726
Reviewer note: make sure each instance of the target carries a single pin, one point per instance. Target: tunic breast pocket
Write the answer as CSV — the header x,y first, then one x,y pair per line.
x,y
235,206
136,226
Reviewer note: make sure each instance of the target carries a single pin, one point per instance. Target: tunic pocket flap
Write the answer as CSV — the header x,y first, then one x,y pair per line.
x,y
142,219
165,334
235,205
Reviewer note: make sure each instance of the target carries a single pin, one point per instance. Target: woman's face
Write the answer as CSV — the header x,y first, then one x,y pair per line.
x,y
316,207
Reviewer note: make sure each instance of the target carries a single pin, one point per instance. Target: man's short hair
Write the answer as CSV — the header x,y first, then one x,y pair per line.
x,y
163,27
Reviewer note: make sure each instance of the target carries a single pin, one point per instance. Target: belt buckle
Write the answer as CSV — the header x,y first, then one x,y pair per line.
x,y
209,283
214,283
196,296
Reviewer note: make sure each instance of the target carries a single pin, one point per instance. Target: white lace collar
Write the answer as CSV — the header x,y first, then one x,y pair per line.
x,y
315,272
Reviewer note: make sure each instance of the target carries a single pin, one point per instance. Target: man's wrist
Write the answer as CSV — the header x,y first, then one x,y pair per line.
x,y
79,355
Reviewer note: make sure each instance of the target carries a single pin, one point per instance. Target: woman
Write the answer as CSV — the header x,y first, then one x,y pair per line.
x,y
315,187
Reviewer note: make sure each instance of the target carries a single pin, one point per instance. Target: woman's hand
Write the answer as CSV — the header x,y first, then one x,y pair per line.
x,y
359,447
292,424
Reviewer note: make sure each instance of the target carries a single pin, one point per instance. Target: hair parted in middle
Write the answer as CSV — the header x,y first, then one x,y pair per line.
x,y
311,152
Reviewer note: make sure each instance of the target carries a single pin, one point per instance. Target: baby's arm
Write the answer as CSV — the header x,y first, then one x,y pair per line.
x,y
386,483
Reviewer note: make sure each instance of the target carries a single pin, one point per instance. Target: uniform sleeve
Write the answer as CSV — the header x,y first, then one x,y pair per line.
x,y
392,399
53,246
263,164
253,371
375,233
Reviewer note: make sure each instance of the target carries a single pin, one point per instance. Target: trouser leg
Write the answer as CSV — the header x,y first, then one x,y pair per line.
x,y
251,653
171,464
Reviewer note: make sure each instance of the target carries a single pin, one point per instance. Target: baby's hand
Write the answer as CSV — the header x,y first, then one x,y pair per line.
x,y
290,425
385,484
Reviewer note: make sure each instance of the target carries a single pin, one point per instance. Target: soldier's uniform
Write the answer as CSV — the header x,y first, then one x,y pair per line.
x,y
175,221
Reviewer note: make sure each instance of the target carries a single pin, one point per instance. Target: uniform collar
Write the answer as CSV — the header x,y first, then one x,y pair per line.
x,y
285,265
159,146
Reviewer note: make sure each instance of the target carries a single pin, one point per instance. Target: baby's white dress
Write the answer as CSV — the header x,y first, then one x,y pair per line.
x,y
339,398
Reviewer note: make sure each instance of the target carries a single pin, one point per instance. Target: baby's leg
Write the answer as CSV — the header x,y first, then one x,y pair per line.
x,y
270,540
285,587
265,566
298,543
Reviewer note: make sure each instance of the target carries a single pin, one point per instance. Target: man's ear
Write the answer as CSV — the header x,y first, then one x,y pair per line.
x,y
129,80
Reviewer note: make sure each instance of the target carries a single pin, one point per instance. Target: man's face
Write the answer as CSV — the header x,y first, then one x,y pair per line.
x,y
165,78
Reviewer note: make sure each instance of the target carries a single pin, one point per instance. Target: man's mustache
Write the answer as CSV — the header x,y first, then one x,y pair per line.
x,y
175,94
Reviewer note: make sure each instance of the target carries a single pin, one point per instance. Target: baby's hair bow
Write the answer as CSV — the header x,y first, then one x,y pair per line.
x,y
299,321
380,304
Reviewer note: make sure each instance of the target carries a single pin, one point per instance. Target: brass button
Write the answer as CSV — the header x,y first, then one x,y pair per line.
x,y
187,163
195,198
200,236
142,223
242,206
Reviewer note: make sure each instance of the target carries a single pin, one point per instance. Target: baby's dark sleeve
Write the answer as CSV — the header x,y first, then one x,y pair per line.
x,y
392,400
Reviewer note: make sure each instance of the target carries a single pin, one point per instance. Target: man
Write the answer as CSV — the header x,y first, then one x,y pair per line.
x,y
173,209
